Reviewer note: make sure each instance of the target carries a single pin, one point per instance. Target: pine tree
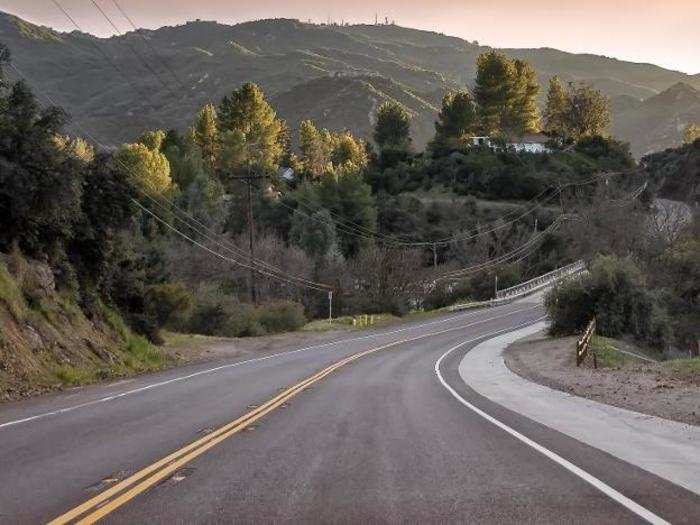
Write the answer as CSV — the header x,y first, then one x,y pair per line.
x,y
393,127
206,134
313,150
247,113
457,121
494,90
524,115
556,110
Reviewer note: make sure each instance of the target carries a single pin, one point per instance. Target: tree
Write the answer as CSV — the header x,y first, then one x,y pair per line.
x,y
153,140
457,121
557,109
691,133
41,183
206,134
524,115
258,135
393,127
314,233
148,169
494,90
589,111
313,150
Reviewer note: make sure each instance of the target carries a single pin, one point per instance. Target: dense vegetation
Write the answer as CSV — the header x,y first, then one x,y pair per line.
x,y
159,229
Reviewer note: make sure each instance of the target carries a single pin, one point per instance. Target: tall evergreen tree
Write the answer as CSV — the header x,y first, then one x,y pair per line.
x,y
257,131
557,109
457,120
494,90
393,127
524,115
313,150
206,134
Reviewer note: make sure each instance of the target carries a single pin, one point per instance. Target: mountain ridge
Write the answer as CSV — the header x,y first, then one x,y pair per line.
x,y
210,58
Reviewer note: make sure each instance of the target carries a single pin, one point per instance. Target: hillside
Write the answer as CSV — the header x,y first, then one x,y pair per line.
x,y
47,341
335,74
658,122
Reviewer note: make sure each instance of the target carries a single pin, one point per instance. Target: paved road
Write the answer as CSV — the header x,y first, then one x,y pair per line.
x,y
374,435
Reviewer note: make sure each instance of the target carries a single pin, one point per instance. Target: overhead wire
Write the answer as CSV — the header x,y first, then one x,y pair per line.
x,y
258,265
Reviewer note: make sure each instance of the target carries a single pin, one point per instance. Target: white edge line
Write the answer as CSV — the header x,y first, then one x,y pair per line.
x,y
230,365
585,476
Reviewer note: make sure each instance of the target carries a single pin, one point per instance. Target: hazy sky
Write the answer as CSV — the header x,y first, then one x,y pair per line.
x,y
664,32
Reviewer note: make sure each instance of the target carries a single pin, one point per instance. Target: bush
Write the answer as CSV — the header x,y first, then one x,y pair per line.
x,y
218,314
165,300
614,291
281,316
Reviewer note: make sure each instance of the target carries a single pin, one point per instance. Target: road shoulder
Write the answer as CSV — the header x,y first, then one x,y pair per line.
x,y
655,389
666,448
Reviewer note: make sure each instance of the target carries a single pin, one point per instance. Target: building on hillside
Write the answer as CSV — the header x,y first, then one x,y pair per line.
x,y
530,143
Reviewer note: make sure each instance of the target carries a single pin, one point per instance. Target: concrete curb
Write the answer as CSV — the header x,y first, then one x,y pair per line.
x,y
665,448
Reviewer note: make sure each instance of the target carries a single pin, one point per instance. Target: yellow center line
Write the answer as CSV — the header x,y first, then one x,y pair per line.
x,y
172,462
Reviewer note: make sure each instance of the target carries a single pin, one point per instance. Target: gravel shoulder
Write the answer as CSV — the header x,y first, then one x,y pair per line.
x,y
670,389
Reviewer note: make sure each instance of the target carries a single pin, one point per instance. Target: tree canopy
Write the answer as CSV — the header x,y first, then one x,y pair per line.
x,y
393,126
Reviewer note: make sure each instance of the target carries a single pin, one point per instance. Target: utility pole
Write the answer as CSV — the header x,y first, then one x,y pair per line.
x,y
249,179
495,287
330,306
435,261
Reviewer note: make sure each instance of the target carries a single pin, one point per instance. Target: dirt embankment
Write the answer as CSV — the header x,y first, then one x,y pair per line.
x,y
47,342
670,389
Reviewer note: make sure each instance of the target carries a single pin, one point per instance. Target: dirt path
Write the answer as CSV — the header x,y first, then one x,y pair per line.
x,y
670,390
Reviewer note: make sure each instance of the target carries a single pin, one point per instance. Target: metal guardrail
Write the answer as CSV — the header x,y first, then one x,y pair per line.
x,y
508,295
541,281
583,344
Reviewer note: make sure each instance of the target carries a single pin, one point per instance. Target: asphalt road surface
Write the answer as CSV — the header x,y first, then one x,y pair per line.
x,y
363,428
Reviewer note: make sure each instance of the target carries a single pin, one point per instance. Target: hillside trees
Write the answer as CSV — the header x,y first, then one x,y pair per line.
x,y
393,127
589,111
457,121
147,167
691,133
506,93
557,109
328,152
252,136
206,134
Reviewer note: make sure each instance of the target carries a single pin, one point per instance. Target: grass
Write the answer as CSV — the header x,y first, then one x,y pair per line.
x,y
10,293
687,369
607,354
142,355
346,322
74,376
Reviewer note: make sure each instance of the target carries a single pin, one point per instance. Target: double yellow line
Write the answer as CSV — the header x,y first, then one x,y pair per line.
x,y
105,502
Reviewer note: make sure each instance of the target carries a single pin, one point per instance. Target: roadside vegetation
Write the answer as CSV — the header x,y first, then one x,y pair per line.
x,y
227,227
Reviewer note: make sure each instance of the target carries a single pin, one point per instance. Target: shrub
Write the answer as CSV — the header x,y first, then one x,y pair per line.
x,y
218,314
164,300
281,316
614,291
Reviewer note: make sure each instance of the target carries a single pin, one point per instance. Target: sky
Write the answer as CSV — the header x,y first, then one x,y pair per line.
x,y
663,32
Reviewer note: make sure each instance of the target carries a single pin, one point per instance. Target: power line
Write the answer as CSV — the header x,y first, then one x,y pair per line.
x,y
259,266
161,60
143,61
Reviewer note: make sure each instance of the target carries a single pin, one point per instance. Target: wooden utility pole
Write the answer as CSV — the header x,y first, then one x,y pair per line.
x,y
249,179
435,258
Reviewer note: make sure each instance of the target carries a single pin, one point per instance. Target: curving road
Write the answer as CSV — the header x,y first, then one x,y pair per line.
x,y
363,428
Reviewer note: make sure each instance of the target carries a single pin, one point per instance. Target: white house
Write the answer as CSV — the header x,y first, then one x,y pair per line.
x,y
530,143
